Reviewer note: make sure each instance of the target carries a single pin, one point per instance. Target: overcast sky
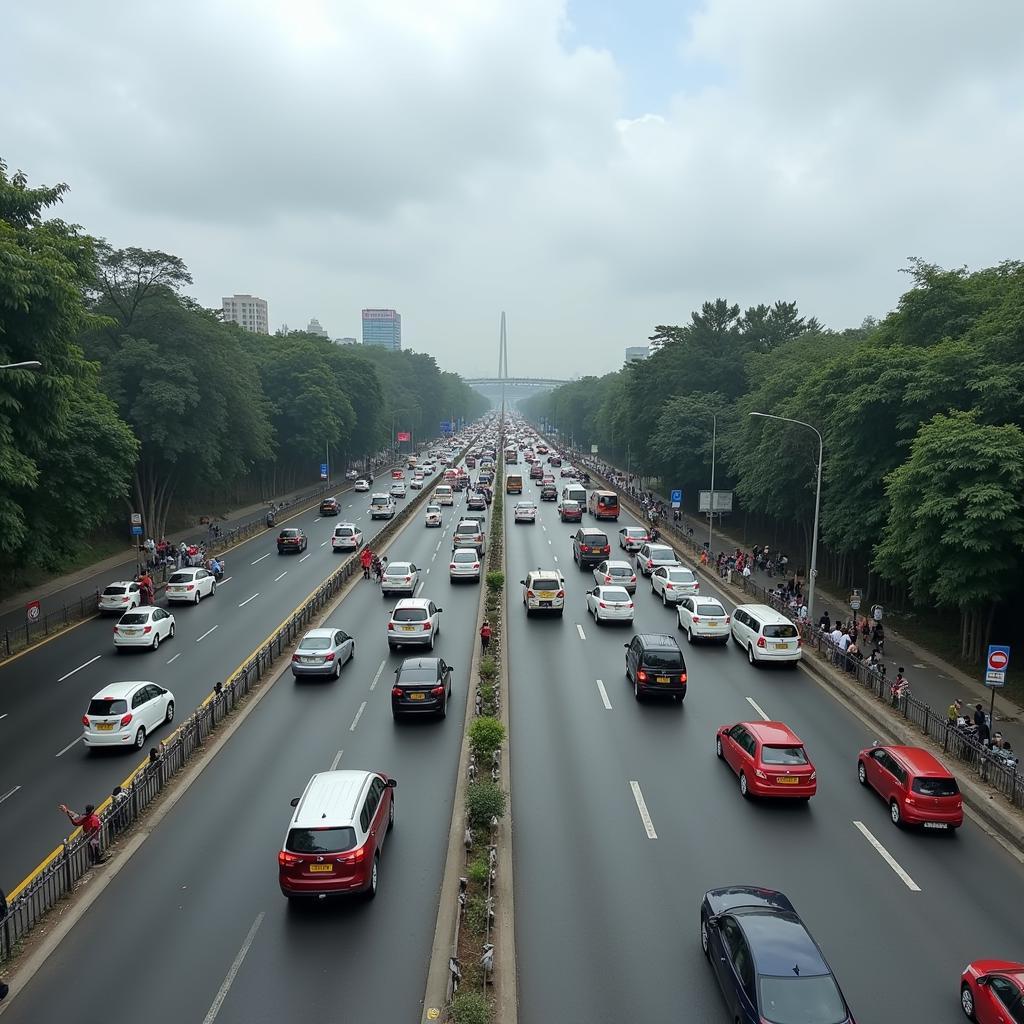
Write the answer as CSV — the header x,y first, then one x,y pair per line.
x,y
593,167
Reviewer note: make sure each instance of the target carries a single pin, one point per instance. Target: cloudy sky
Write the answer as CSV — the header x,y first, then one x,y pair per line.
x,y
593,167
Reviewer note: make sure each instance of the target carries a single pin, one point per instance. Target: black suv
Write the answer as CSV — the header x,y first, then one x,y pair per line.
x,y
422,686
590,547
549,492
655,664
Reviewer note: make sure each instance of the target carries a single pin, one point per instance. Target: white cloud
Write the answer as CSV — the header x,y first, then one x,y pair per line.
x,y
454,159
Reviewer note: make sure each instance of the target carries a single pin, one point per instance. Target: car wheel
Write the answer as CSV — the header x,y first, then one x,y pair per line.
x,y
704,943
664,600
689,635
718,746
653,591
391,813
337,669
443,713
169,714
744,789
637,695
862,773
894,813
170,635
967,1001
431,641
213,588
352,651
391,646
750,655
374,871
140,738
198,596
156,641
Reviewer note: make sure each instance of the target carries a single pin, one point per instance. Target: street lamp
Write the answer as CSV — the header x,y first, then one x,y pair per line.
x,y
32,364
817,505
711,499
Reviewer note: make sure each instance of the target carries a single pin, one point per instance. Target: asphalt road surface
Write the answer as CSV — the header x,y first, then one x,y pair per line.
x,y
202,895
44,693
607,902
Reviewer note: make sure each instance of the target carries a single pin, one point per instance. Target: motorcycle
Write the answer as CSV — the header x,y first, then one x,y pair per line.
x,y
271,519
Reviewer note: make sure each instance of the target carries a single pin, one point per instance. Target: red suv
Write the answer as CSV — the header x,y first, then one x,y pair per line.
x,y
769,759
917,787
336,834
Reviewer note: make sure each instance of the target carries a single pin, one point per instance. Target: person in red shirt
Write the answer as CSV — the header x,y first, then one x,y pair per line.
x,y
366,560
90,824
485,636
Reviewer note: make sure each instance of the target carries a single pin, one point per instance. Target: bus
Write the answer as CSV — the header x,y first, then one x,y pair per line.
x,y
604,505
511,456
514,483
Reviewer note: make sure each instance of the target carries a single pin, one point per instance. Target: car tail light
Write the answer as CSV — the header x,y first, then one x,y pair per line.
x,y
427,625
760,774
391,626
397,691
117,629
126,719
799,641
357,855
191,586
641,676
476,565
437,691
124,600
812,776
632,578
561,593
696,618
682,677
760,642
668,586
408,579
650,564
584,547
696,585
288,860
329,656
630,605
85,721
601,604
607,579
295,657
530,593
727,620
147,629
452,566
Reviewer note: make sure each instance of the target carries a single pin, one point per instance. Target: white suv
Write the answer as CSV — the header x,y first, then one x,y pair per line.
x,y
765,634
121,596
414,620
382,507
544,590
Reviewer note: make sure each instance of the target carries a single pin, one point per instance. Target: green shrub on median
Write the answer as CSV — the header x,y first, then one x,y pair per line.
x,y
485,737
484,800
495,580
470,1008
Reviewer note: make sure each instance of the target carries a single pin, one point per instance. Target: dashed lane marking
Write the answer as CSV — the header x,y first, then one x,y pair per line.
x,y
337,758
641,806
604,695
176,657
376,678
248,599
260,559
222,992
209,631
887,857
9,792
579,629
77,739
68,675
757,707
282,576
359,714
304,557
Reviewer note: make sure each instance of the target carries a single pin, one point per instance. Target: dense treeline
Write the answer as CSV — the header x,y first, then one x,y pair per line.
x,y
148,401
922,416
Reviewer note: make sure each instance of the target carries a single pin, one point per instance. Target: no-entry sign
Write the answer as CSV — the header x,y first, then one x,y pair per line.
x,y
996,663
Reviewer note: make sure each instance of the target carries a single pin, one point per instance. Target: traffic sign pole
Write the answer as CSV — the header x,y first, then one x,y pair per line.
x,y
997,662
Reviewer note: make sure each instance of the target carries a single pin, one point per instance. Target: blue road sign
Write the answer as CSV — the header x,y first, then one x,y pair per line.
x,y
996,664
677,498
446,426
323,471
136,531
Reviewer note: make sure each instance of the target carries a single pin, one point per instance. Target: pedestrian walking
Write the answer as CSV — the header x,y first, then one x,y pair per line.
x,y
366,560
485,636
90,824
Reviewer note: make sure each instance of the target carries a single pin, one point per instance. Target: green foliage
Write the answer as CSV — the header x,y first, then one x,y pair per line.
x,y
484,800
495,580
470,1007
486,735
488,667
478,871
476,913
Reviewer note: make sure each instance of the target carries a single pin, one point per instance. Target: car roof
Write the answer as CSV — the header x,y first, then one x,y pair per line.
x,y
412,602
338,526
121,583
921,762
618,563
330,798
616,587
773,734
658,640
764,611
140,608
122,689
419,663
320,631
780,943
544,572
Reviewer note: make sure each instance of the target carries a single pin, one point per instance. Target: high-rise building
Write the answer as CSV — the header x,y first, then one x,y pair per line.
x,y
247,311
315,328
636,352
382,327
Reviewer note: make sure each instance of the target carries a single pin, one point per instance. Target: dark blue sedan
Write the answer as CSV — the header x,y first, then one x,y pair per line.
x,y
769,968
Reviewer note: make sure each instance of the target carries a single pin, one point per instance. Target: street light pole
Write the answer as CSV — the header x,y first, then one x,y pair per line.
x,y
817,505
31,364
711,499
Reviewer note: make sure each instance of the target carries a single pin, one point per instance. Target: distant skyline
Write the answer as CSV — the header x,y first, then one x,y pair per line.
x,y
591,167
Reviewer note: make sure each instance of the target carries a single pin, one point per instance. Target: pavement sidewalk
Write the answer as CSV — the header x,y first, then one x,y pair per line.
x,y
932,679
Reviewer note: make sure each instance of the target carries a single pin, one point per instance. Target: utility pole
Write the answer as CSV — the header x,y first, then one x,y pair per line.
x,y
711,499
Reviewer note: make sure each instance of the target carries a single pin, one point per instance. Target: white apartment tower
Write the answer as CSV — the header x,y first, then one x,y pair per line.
x,y
247,311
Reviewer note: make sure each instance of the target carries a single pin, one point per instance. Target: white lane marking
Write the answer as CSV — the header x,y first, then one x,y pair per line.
x,y
438,547
324,544
359,714
543,527
604,695
248,599
68,747
222,992
579,629
4,715
79,669
641,806
227,579
556,558
433,556
9,792
260,559
376,678
887,857
419,588
208,632
282,576
337,758
317,520
757,707
176,657
304,557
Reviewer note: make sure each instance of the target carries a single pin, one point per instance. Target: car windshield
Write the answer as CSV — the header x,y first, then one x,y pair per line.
x,y
398,569
107,706
571,506
618,570
660,553
181,577
134,619
436,509
784,631
614,594
935,787
544,583
681,576
809,1000
289,533
417,675
464,555
663,659
115,591
468,529
409,615
783,755
321,840
344,531
709,609
315,643
635,531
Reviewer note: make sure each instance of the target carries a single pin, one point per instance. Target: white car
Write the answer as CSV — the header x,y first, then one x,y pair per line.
x,y
414,620
346,537
653,556
322,652
120,596
632,538
416,483
432,516
124,714
191,585
544,590
399,578
362,484
703,618
674,582
351,474
382,507
465,565
610,604
397,489
616,573
145,626
525,512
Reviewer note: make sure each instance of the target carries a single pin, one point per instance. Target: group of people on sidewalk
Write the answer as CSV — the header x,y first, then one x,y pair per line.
x,y
373,565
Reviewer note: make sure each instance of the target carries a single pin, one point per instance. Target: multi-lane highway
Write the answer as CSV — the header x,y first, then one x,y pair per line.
x,y
623,817
204,888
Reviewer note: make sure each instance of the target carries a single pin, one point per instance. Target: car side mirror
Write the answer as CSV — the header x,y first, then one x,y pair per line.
x,y
626,646
294,801
439,610
392,783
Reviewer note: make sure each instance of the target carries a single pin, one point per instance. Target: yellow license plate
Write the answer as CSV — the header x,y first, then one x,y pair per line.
x,y
409,629
787,780
782,647
417,696
318,869
545,595
105,727
663,679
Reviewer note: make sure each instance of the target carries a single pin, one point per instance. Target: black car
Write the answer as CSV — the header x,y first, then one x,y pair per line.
x,y
549,493
654,664
590,547
422,686
329,507
291,539
764,959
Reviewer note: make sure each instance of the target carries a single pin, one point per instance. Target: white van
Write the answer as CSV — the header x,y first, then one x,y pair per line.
x,y
765,634
575,492
443,494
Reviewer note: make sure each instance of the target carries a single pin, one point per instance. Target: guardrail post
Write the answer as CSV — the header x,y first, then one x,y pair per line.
x,y
68,881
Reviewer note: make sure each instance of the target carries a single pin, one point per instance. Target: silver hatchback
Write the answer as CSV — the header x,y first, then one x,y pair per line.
x,y
322,652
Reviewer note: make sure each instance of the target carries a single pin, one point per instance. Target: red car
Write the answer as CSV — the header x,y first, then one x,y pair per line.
x,y
334,839
769,759
992,991
915,784
571,512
